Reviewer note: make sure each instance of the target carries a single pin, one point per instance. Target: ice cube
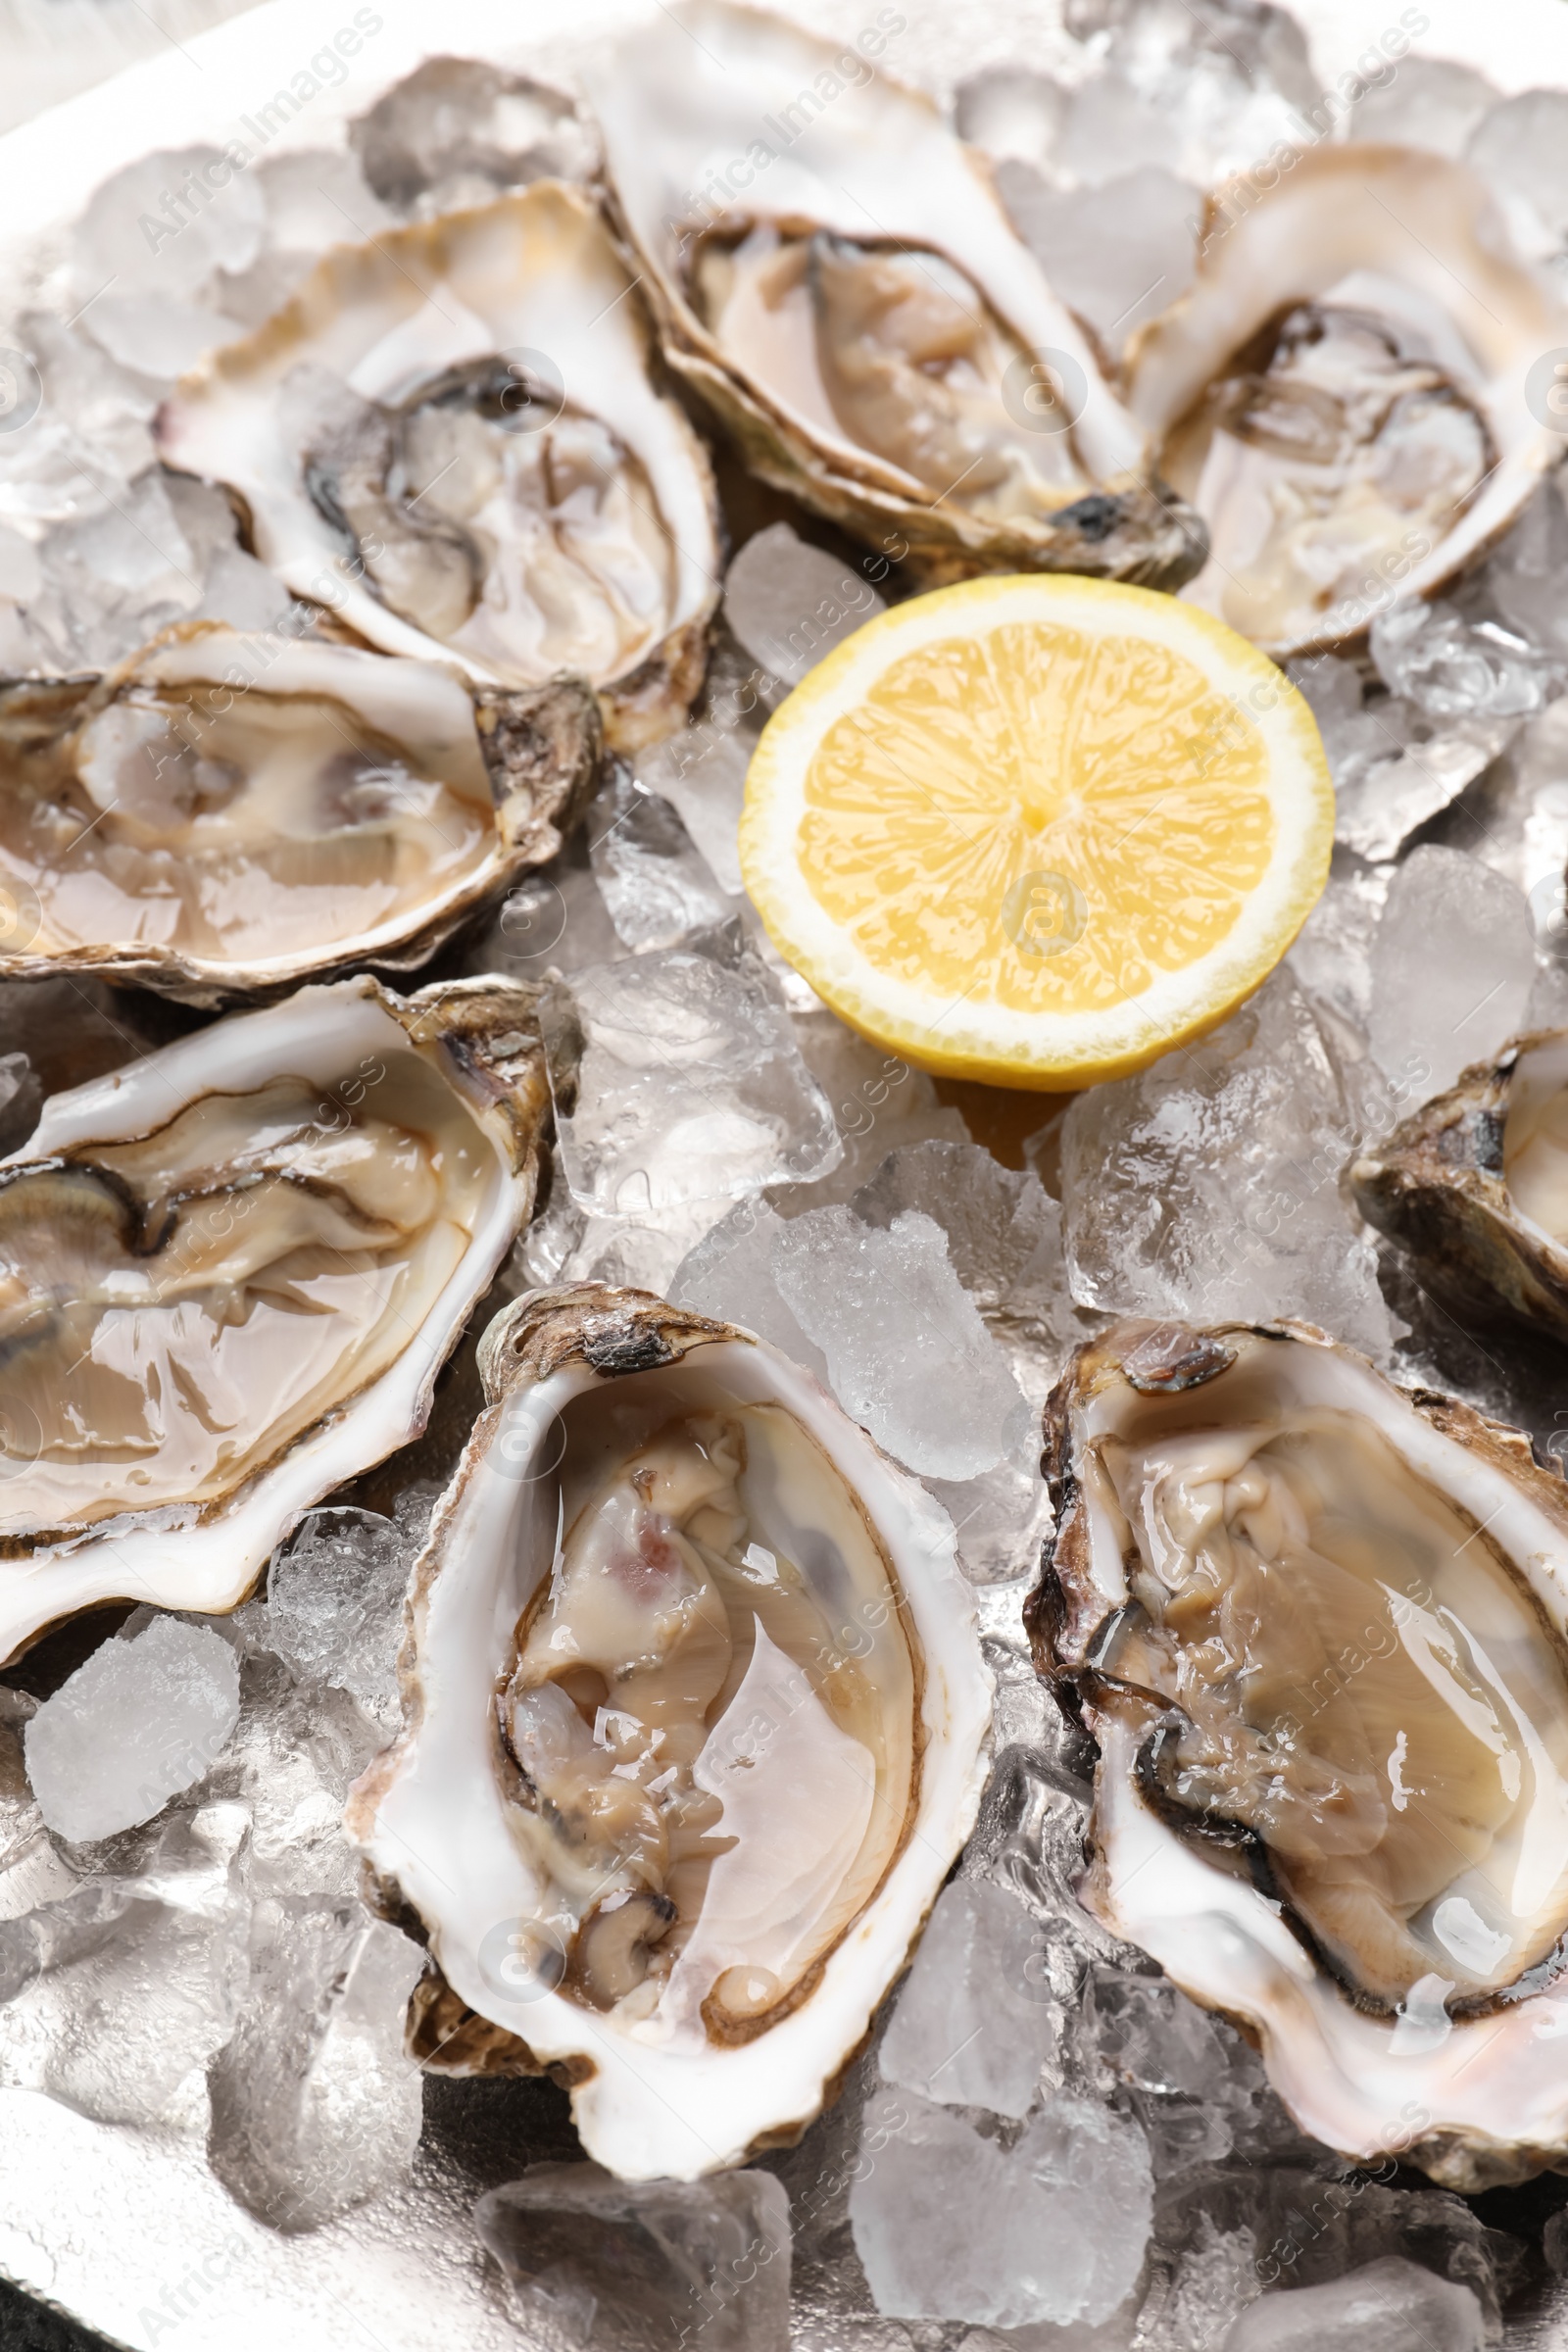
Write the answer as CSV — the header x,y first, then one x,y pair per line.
x,y
1428,102
623,2265
243,593
1112,128
32,1870
1332,959
1453,667
976,2020
1213,2280
1229,80
315,2105
1004,1234
1011,112
1382,810
555,921
163,225
1207,1185
1393,2303
89,435
907,1354
676,1079
334,1611
1260,46
113,579
139,1722
20,573
1394,765
1152,2036
655,886
730,1275
121,1987
567,1244
1357,731
702,772
315,198
1451,966
1000,1517
789,603
457,126
643,1253
1526,574
157,335
878,1100
292,1759
1120,250
1522,148
951,2226
1526,823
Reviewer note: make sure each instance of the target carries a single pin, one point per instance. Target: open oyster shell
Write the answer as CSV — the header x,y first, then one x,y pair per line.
x,y
449,437
835,276
229,1274
1316,1627
695,1722
226,815
1474,1184
1345,394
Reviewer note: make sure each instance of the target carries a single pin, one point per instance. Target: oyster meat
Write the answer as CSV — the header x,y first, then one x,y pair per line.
x,y
1316,1627
1474,1184
834,275
1344,393
229,1274
695,1728
449,438
227,814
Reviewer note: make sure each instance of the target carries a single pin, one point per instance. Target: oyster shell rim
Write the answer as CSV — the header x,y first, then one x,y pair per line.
x,y
606,1333
479,1033
525,734
1435,1184
1532,456
944,542
644,703
1269,1990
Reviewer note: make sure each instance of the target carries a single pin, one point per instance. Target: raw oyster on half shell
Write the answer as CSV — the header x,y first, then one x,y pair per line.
x,y
229,1274
225,815
1345,394
1474,1184
835,276
695,1727
451,439
1318,1629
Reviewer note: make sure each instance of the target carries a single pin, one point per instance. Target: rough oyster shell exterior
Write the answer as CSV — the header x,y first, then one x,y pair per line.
x,y
1437,1186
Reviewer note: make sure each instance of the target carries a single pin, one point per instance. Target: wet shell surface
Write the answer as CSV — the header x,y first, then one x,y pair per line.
x,y
1474,1184
695,1727
1318,1628
449,437
834,275
224,816
229,1274
1347,394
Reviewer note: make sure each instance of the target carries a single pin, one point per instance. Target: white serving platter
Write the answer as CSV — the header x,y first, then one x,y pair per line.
x,y
124,2229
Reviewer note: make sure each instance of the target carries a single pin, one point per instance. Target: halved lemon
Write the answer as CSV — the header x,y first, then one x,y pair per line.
x,y
1037,830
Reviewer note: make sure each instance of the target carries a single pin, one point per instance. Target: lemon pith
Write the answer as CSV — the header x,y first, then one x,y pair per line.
x,y
1038,829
